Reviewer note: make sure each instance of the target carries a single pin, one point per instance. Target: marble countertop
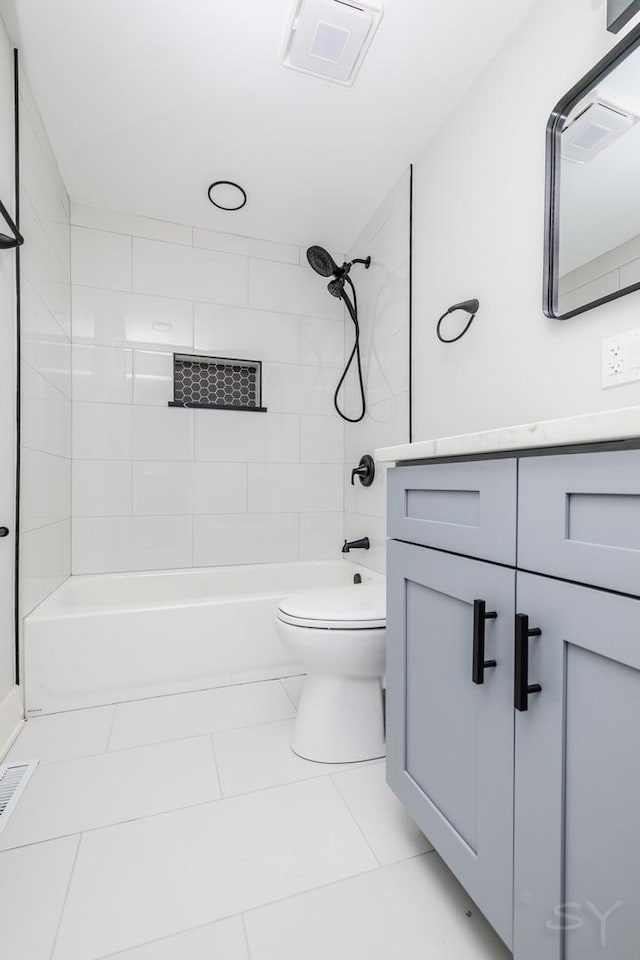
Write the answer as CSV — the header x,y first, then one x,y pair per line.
x,y
610,425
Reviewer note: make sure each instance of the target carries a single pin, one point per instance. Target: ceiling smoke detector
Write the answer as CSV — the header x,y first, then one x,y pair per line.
x,y
329,38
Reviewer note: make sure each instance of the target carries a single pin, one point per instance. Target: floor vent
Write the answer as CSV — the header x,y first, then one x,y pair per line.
x,y
13,779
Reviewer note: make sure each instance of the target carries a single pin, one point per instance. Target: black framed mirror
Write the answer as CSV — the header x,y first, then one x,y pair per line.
x,y
592,227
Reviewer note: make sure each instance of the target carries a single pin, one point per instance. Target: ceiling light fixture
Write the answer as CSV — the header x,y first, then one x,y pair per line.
x,y
227,195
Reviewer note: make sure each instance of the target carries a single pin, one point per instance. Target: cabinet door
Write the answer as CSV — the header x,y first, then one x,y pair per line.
x,y
577,836
450,740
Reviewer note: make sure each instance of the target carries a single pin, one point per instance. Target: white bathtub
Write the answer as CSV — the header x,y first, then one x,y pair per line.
x,y
115,637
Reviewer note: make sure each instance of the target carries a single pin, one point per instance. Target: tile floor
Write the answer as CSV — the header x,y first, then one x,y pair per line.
x,y
183,828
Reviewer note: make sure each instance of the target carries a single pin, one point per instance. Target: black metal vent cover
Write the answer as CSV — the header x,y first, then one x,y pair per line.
x,y
217,383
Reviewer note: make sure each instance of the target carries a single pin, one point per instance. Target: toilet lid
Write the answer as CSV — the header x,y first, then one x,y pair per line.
x,y
358,607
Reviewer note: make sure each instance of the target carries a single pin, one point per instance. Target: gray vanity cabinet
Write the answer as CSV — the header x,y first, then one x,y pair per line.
x,y
527,784
577,777
450,739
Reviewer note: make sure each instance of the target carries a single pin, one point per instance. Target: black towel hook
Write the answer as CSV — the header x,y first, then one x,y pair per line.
x,y
7,242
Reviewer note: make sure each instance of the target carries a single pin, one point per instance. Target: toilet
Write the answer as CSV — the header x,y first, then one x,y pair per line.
x,y
338,636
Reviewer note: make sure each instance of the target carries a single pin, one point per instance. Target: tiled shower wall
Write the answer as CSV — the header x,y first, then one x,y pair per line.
x,y
45,502
158,487
383,296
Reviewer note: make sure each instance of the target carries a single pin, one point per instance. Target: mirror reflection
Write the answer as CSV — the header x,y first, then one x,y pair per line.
x,y
598,242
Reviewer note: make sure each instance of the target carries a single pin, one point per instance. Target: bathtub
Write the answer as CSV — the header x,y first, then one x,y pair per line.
x,y
116,637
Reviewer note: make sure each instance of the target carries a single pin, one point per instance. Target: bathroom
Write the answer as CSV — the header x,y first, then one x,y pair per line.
x,y
310,361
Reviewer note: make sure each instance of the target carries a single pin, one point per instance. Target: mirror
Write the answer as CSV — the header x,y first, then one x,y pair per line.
x,y
592,249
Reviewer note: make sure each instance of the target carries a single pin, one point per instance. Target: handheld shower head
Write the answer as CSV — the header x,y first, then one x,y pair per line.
x,y
336,287
322,262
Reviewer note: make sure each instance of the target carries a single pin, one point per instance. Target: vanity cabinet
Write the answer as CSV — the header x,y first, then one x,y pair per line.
x,y
527,783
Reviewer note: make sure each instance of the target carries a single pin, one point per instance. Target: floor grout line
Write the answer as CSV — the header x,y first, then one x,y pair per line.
x,y
66,897
355,820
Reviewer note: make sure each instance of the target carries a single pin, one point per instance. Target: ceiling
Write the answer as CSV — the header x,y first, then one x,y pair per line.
x,y
148,101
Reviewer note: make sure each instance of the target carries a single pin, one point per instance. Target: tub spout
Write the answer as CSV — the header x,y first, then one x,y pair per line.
x,y
362,544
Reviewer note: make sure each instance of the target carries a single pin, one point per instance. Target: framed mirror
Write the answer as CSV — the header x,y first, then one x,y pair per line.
x,y
592,230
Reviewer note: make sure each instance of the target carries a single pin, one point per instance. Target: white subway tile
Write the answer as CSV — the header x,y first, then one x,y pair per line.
x,y
285,288
84,215
171,270
37,321
162,433
245,246
278,487
45,414
102,431
292,388
52,359
109,544
322,439
102,374
219,488
322,341
246,334
228,435
45,489
152,377
245,538
101,488
100,259
113,318
321,536
161,488
45,560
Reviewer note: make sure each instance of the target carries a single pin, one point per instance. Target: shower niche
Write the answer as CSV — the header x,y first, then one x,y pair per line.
x,y
217,383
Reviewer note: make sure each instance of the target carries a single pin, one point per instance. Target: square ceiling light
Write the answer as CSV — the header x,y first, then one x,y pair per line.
x,y
329,38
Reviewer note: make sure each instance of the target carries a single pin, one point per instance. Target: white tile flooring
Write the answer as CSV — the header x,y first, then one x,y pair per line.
x,y
183,828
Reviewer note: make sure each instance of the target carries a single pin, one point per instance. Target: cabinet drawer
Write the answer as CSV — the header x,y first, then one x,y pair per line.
x,y
467,508
579,518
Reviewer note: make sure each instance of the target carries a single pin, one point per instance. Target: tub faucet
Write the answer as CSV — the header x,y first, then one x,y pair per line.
x,y
362,544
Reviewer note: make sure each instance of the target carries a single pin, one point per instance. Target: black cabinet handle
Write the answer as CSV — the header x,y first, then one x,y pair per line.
x,y
522,687
4,531
480,616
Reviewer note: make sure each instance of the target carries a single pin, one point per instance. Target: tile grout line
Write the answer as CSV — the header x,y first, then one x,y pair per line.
x,y
246,933
111,726
66,897
353,817
216,767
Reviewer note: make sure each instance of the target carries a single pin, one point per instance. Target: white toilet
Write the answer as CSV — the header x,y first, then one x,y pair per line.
x,y
338,637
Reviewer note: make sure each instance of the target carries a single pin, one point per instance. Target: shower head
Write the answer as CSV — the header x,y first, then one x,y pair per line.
x,y
322,262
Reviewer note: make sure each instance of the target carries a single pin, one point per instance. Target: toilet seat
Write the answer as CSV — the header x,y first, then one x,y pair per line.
x,y
358,607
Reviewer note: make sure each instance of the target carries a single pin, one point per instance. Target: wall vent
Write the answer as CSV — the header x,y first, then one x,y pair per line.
x,y
13,779
217,383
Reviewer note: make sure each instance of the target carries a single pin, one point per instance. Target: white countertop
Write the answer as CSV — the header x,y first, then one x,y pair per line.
x,y
589,428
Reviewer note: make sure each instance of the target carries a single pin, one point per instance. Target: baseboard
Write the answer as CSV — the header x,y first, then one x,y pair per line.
x,y
11,719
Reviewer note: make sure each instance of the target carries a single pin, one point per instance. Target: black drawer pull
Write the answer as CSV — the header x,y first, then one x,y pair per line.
x,y
522,687
480,616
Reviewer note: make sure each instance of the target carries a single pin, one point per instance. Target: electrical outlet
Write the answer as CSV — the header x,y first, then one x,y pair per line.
x,y
621,359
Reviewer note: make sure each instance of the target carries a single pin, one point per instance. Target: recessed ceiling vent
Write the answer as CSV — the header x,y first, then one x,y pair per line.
x,y
329,38
598,126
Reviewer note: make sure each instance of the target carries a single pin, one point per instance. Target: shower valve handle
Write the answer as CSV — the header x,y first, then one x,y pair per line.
x,y
366,470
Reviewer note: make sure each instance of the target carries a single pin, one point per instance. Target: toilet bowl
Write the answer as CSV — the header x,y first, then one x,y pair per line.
x,y
338,637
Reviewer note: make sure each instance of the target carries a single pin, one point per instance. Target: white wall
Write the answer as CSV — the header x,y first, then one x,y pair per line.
x,y
159,487
383,296
479,231
45,500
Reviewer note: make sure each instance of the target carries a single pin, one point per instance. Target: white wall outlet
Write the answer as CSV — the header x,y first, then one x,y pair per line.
x,y
621,359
